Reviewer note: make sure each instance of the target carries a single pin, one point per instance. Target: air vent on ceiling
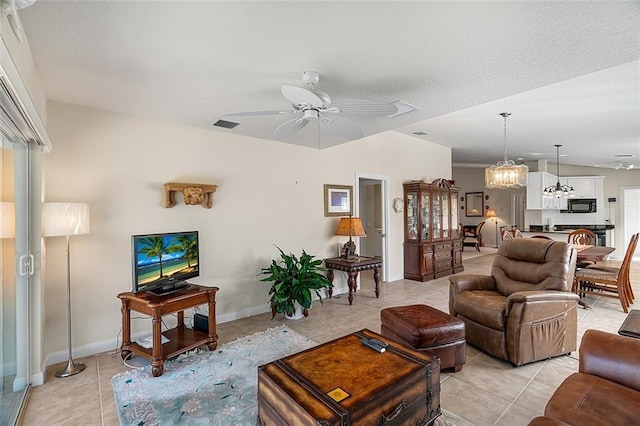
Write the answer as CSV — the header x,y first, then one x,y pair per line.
x,y
226,124
420,133
624,155
403,108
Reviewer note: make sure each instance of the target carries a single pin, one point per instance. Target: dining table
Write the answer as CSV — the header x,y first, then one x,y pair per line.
x,y
593,253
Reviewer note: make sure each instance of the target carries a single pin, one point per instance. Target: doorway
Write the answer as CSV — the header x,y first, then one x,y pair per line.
x,y
629,215
372,207
518,206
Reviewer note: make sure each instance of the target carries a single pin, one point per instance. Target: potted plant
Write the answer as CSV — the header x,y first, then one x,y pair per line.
x,y
294,281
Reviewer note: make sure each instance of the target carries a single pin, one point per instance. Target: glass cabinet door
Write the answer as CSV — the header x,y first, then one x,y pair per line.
x,y
455,226
437,216
445,215
411,210
425,216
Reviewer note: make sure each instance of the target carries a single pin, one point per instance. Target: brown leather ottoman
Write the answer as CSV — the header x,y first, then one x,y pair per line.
x,y
428,330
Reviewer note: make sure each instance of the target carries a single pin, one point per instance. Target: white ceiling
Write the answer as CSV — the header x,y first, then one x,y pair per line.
x,y
569,72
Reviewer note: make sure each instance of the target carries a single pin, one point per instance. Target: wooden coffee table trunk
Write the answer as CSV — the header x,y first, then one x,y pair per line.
x,y
344,382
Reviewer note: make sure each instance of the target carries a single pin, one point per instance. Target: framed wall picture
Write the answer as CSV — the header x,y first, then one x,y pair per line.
x,y
338,200
474,204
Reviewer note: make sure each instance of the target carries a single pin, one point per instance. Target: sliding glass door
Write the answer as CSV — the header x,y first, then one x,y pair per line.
x,y
16,267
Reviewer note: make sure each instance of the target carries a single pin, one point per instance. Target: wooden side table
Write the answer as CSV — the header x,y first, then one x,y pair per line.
x,y
352,267
181,338
631,325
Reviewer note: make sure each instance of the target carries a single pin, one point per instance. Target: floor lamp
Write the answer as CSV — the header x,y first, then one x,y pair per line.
x,y
66,219
491,214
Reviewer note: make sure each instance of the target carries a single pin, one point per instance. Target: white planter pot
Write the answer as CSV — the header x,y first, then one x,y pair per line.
x,y
297,313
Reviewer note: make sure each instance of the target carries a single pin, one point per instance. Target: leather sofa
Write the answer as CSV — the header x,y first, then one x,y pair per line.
x,y
606,388
525,310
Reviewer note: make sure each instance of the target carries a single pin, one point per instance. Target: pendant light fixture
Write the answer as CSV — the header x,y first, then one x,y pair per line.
x,y
558,190
506,174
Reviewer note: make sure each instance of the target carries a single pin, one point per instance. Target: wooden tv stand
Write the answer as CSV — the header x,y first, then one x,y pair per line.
x,y
181,338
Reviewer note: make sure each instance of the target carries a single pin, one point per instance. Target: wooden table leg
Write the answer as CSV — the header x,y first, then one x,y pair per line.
x,y
330,278
352,282
157,364
213,336
126,330
376,278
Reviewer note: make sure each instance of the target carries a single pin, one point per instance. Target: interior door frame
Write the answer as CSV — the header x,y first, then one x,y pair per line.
x,y
622,238
384,182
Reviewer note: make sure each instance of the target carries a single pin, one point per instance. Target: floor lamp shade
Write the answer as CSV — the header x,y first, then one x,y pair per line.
x,y
65,219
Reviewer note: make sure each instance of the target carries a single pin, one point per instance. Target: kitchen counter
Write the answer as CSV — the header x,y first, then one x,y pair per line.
x,y
605,237
569,228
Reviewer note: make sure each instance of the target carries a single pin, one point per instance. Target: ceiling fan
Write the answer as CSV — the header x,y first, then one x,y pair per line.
x,y
311,105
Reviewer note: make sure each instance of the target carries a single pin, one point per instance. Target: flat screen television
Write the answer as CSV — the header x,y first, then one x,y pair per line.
x,y
163,262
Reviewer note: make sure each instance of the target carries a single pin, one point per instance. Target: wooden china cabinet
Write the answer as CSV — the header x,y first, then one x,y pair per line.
x,y
432,244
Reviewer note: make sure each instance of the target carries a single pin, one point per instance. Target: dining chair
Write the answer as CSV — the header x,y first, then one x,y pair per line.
x,y
614,282
633,242
473,236
510,234
583,237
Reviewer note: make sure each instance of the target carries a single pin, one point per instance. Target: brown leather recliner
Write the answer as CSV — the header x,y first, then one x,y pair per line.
x,y
524,311
606,388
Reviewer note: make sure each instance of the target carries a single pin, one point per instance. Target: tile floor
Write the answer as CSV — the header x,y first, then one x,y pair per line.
x,y
487,391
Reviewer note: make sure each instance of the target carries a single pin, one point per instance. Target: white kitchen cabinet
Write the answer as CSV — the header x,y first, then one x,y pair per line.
x,y
537,182
586,187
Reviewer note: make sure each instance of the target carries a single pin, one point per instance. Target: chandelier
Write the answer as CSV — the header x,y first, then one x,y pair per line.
x,y
506,174
557,190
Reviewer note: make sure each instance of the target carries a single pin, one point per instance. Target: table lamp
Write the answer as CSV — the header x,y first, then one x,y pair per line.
x,y
65,219
491,214
352,227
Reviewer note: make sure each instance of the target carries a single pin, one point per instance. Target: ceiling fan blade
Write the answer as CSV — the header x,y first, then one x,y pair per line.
x,y
364,108
341,127
289,127
255,113
300,97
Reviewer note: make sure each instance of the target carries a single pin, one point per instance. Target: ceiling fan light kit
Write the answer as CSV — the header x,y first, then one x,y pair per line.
x,y
310,104
506,174
558,190
624,165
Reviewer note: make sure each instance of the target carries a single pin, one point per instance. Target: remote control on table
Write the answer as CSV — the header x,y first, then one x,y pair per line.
x,y
376,347
379,342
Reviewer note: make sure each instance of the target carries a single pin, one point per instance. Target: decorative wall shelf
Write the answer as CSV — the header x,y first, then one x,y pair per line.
x,y
194,194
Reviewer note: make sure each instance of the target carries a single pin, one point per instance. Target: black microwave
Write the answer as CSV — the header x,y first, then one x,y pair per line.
x,y
581,205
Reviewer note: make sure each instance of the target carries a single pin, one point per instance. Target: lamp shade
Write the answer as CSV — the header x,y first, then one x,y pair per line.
x,y
65,219
7,219
490,213
506,175
351,227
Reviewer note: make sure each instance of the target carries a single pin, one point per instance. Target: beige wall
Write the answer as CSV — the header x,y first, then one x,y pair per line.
x,y
269,193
